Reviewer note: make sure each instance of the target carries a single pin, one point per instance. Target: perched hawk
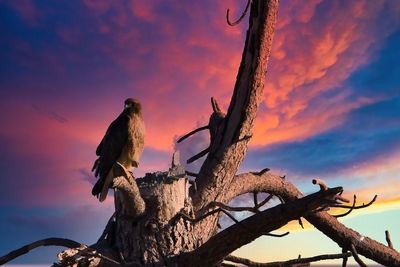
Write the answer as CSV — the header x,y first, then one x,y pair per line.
x,y
123,142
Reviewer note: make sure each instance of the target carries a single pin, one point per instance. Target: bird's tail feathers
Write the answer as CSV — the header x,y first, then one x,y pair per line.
x,y
97,187
96,165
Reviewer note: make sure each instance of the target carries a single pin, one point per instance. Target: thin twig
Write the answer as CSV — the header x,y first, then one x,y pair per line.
x,y
241,17
192,132
265,201
62,242
289,262
390,244
356,257
301,223
261,172
276,235
215,105
349,211
255,199
356,207
199,155
195,220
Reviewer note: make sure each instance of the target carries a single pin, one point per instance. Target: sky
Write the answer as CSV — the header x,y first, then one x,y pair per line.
x,y
330,109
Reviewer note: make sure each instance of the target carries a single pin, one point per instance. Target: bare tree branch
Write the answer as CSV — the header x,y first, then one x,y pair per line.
x,y
226,153
330,226
289,262
357,207
349,211
62,242
390,245
192,132
356,257
198,155
228,240
241,17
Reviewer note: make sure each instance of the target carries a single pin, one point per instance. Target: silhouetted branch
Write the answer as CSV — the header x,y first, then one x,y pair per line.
x,y
262,171
191,173
327,224
301,223
193,132
62,242
350,210
293,262
356,207
235,236
199,155
241,17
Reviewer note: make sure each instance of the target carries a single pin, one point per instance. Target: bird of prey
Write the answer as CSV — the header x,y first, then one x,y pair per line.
x,y
123,142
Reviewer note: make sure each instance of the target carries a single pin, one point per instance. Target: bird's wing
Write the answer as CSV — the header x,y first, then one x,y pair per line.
x,y
110,149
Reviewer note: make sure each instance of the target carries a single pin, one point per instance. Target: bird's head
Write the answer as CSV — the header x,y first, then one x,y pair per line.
x,y
133,105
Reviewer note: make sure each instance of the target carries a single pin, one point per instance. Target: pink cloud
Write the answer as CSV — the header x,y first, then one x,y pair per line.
x,y
310,58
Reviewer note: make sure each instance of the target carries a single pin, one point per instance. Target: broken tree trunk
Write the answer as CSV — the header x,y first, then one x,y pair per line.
x,y
159,221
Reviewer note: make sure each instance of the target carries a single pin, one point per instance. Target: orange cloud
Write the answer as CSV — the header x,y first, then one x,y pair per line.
x,y
311,57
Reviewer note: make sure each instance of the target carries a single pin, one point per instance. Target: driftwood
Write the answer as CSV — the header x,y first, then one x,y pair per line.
x,y
160,220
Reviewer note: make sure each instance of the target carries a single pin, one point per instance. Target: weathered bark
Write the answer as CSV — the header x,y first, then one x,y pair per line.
x,y
149,229
330,226
230,143
239,234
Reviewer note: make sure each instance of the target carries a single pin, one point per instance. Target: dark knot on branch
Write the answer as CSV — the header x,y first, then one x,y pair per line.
x,y
241,17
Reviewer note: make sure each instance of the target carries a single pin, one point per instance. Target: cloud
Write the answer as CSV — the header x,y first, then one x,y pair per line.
x,y
313,56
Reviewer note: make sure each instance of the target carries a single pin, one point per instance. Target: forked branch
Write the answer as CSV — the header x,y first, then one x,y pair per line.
x,y
228,240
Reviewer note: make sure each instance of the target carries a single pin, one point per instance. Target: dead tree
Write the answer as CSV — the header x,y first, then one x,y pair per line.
x,y
161,221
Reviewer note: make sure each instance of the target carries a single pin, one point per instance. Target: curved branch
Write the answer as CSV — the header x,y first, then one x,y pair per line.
x,y
241,17
350,209
192,133
62,242
357,207
330,226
